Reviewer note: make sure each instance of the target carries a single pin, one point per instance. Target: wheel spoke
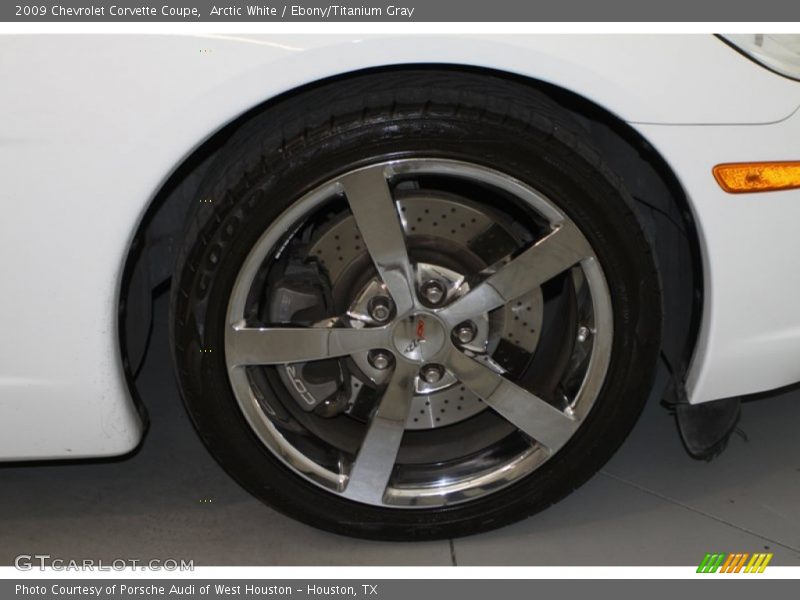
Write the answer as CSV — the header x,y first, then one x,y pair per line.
x,y
541,421
561,249
281,345
374,210
376,458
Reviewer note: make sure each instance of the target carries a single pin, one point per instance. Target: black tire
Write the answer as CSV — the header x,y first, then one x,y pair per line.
x,y
293,145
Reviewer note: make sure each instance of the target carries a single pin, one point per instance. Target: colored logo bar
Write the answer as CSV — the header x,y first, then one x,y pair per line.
x,y
734,562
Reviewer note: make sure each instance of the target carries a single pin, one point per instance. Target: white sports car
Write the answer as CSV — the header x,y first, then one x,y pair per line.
x,y
421,286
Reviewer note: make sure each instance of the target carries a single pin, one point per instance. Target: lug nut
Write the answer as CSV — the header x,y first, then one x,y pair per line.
x,y
380,359
380,308
431,373
433,291
465,332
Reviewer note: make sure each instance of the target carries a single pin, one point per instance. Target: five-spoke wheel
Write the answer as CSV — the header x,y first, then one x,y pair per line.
x,y
427,327
417,305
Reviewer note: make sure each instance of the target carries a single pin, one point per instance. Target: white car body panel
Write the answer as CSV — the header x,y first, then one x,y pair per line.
x,y
750,333
94,125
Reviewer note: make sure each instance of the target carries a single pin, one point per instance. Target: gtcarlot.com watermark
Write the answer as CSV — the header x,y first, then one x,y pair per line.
x,y
30,562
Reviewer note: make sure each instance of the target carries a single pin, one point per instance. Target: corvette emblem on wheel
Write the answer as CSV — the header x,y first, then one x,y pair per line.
x,y
420,330
419,337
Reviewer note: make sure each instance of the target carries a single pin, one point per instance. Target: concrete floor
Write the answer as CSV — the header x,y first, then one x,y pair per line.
x,y
651,505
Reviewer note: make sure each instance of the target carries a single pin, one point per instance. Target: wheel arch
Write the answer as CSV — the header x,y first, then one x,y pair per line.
x,y
662,205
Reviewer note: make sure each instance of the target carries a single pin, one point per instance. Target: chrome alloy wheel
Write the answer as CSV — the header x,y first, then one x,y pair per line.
x,y
422,405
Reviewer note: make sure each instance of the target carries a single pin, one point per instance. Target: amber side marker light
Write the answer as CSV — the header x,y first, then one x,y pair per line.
x,y
741,178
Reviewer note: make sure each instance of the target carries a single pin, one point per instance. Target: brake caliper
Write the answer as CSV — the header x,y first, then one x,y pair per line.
x,y
302,297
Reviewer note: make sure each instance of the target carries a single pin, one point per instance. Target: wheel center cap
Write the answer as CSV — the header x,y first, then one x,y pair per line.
x,y
419,337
